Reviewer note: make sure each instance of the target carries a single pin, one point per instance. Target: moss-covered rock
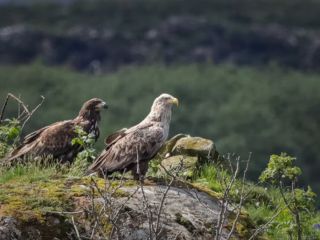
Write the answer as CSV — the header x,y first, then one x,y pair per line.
x,y
194,146
40,203
184,166
169,145
182,144
39,209
183,155
43,209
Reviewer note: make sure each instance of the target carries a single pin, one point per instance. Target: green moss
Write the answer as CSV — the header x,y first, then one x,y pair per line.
x,y
103,184
204,188
79,190
208,181
28,201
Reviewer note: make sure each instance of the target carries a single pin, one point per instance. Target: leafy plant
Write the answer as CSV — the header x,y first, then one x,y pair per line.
x,y
279,168
87,155
154,166
300,203
9,132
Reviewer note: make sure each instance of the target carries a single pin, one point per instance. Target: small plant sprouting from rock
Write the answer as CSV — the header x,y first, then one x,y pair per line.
x,y
87,155
282,173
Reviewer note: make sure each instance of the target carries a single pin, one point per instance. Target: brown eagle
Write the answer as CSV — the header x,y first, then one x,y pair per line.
x,y
55,139
131,149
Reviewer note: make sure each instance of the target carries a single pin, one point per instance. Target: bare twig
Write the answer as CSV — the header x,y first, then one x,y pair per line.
x,y
265,226
25,108
25,111
225,200
117,213
75,228
32,112
62,213
149,212
4,107
157,232
242,197
23,116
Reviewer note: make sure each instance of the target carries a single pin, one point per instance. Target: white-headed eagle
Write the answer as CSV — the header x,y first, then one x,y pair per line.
x,y
56,139
131,149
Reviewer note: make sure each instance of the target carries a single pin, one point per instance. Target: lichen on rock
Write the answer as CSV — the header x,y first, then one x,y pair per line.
x,y
186,154
194,146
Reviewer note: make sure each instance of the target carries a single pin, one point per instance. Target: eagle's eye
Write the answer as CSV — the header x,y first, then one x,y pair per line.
x,y
100,104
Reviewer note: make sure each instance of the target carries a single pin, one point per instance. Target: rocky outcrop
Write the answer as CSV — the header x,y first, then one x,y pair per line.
x,y
194,146
187,154
66,207
9,228
53,227
187,214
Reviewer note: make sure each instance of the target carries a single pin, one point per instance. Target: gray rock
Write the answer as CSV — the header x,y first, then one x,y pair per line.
x,y
194,146
186,154
180,165
186,214
9,229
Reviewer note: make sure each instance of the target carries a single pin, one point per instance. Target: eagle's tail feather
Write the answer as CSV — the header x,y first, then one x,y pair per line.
x,y
95,166
17,154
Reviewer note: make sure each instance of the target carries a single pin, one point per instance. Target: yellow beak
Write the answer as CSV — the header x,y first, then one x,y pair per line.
x,y
175,101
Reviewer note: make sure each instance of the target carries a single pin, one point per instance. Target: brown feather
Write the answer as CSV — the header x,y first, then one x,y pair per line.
x,y
131,149
55,139
115,137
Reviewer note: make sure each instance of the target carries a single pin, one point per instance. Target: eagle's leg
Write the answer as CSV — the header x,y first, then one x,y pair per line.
x,y
139,170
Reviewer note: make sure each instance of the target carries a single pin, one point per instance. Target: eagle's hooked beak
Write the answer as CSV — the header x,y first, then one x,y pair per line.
x,y
102,105
175,101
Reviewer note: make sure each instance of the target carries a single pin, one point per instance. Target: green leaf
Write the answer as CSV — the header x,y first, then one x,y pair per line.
x,y
13,133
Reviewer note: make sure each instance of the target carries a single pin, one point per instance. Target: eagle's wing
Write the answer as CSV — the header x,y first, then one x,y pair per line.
x,y
114,137
54,139
137,143
32,136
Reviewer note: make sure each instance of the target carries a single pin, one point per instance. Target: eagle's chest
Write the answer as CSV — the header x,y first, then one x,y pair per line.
x,y
165,132
92,128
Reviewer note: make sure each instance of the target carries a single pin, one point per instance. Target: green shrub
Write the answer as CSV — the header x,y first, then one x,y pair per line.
x,y
86,156
299,203
9,132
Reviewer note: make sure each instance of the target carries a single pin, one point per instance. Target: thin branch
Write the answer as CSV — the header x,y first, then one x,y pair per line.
x,y
75,228
4,107
225,201
25,108
284,197
264,226
241,198
149,212
161,206
32,112
58,212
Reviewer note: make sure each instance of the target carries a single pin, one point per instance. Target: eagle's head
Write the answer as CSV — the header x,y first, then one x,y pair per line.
x,y
92,108
165,100
161,108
